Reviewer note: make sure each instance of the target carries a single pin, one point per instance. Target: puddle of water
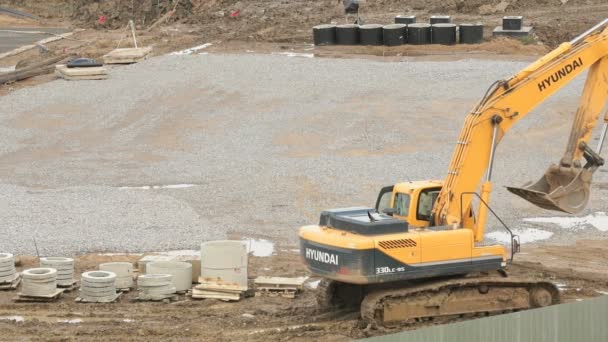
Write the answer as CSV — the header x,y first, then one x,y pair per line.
x,y
598,220
156,187
259,247
295,54
70,321
191,50
526,235
16,319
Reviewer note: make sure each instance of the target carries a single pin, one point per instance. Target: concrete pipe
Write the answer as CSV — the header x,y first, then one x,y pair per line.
x,y
324,35
98,276
39,282
156,286
124,273
370,34
154,279
98,286
180,271
347,34
7,259
226,260
64,267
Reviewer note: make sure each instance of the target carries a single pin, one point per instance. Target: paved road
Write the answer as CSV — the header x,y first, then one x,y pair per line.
x,y
13,40
265,141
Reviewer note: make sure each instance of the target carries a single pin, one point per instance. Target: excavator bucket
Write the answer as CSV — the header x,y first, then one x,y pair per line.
x,y
560,188
563,188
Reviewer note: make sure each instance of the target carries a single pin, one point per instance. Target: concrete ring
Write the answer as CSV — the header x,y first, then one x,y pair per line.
x,y
40,273
98,276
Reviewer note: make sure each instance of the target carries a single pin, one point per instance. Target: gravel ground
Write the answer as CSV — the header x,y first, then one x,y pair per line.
x,y
267,142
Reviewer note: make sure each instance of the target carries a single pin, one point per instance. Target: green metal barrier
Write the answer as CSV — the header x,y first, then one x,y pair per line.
x,y
585,321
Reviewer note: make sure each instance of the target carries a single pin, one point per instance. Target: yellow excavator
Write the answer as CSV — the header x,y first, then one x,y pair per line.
x,y
419,254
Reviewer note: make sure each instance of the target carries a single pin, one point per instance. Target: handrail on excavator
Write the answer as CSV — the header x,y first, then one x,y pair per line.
x,y
589,31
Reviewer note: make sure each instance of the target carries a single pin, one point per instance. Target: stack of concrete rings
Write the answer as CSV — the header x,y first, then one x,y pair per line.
x,y
123,271
7,268
39,282
98,286
64,267
155,286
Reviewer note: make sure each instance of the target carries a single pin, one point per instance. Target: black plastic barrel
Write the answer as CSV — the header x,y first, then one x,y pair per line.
x,y
347,34
370,34
471,33
514,22
419,34
444,34
440,19
405,19
324,34
394,34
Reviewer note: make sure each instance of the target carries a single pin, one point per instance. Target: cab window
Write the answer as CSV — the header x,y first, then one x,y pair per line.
x,y
402,204
426,200
384,199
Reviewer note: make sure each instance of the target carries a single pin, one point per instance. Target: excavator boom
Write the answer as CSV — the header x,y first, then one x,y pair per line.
x,y
565,186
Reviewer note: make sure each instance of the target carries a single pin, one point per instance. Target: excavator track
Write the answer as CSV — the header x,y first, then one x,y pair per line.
x,y
455,298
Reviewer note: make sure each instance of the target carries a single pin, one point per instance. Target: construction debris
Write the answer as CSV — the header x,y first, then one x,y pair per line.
x,y
127,55
278,286
40,68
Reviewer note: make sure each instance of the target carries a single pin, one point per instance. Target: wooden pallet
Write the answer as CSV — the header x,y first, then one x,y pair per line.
x,y
271,292
69,288
84,300
160,298
37,299
11,285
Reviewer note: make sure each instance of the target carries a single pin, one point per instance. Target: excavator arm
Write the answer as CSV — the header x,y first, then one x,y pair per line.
x,y
565,186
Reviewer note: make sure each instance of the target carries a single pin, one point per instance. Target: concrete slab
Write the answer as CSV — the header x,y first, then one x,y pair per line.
x,y
525,31
63,69
127,55
279,282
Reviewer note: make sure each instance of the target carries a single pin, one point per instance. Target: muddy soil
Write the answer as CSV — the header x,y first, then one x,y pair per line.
x,y
290,21
575,269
